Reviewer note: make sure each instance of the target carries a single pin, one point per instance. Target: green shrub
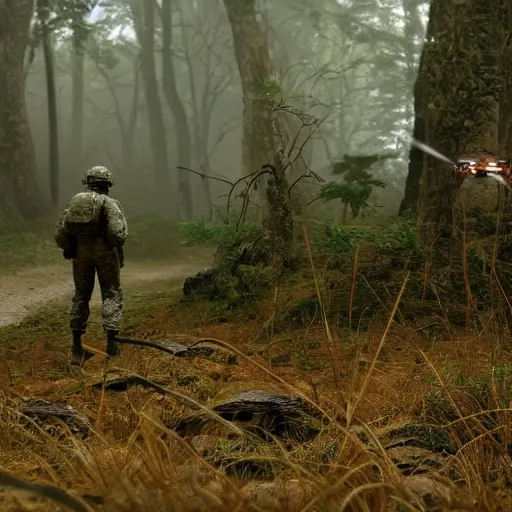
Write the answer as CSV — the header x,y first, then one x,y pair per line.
x,y
201,233
400,236
334,241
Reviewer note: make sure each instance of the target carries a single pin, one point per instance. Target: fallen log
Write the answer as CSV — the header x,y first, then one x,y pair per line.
x,y
263,414
42,412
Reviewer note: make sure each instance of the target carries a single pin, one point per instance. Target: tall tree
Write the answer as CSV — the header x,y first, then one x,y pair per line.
x,y
43,14
73,13
143,12
409,205
263,137
460,103
19,192
106,59
256,73
505,120
77,89
178,112
206,45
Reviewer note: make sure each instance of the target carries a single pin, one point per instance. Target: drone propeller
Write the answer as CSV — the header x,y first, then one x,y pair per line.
x,y
500,179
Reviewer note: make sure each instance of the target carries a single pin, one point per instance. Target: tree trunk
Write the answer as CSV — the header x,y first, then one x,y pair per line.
x,y
179,114
126,126
77,95
505,119
128,135
53,132
204,97
462,94
409,204
143,17
19,192
263,138
256,69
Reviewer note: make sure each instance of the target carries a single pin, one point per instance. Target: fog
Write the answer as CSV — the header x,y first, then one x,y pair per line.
x,y
352,64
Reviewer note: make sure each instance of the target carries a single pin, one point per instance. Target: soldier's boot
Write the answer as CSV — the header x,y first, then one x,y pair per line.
x,y
78,354
112,346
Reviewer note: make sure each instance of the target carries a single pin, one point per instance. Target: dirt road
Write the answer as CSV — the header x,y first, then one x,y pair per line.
x,y
26,290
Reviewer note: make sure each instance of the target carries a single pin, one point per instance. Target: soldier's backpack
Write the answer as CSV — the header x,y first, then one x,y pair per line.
x,y
90,212
85,209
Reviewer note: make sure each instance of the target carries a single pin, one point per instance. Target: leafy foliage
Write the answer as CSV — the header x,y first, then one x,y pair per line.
x,y
356,196
356,169
242,271
201,233
357,185
335,241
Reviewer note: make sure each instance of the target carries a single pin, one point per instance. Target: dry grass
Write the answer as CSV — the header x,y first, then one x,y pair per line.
x,y
379,389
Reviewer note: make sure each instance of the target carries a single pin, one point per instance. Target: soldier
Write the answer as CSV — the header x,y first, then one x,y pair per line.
x,y
92,231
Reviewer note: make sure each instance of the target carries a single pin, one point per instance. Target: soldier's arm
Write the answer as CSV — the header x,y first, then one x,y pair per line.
x,y
117,229
122,224
64,239
61,235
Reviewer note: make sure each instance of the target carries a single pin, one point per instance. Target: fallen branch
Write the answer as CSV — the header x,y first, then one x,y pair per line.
x,y
170,392
51,492
121,383
170,347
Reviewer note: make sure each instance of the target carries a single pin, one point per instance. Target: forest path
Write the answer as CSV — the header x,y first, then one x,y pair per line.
x,y
27,290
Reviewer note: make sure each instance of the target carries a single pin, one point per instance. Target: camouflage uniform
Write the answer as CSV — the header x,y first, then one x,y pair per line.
x,y
95,247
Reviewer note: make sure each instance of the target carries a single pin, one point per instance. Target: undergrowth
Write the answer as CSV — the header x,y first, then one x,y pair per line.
x,y
202,233
409,425
329,240
408,422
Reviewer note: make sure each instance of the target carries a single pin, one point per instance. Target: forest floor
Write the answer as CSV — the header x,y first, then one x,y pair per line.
x,y
25,290
412,424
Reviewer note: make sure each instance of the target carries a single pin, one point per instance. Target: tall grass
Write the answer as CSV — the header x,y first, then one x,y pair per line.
x,y
381,389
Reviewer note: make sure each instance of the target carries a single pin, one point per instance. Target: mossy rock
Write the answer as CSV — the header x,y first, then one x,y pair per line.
x,y
202,285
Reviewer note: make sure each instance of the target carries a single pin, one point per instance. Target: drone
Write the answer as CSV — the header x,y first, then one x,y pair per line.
x,y
482,166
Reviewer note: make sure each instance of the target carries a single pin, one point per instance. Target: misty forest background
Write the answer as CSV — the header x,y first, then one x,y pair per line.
x,y
348,268
144,87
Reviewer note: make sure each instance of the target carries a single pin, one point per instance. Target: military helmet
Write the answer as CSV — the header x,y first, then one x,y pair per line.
x,y
98,174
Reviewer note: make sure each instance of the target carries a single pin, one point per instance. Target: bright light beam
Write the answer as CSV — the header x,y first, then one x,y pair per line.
x,y
431,151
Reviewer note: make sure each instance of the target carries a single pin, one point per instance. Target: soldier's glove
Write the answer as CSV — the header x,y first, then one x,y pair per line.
x,y
68,254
